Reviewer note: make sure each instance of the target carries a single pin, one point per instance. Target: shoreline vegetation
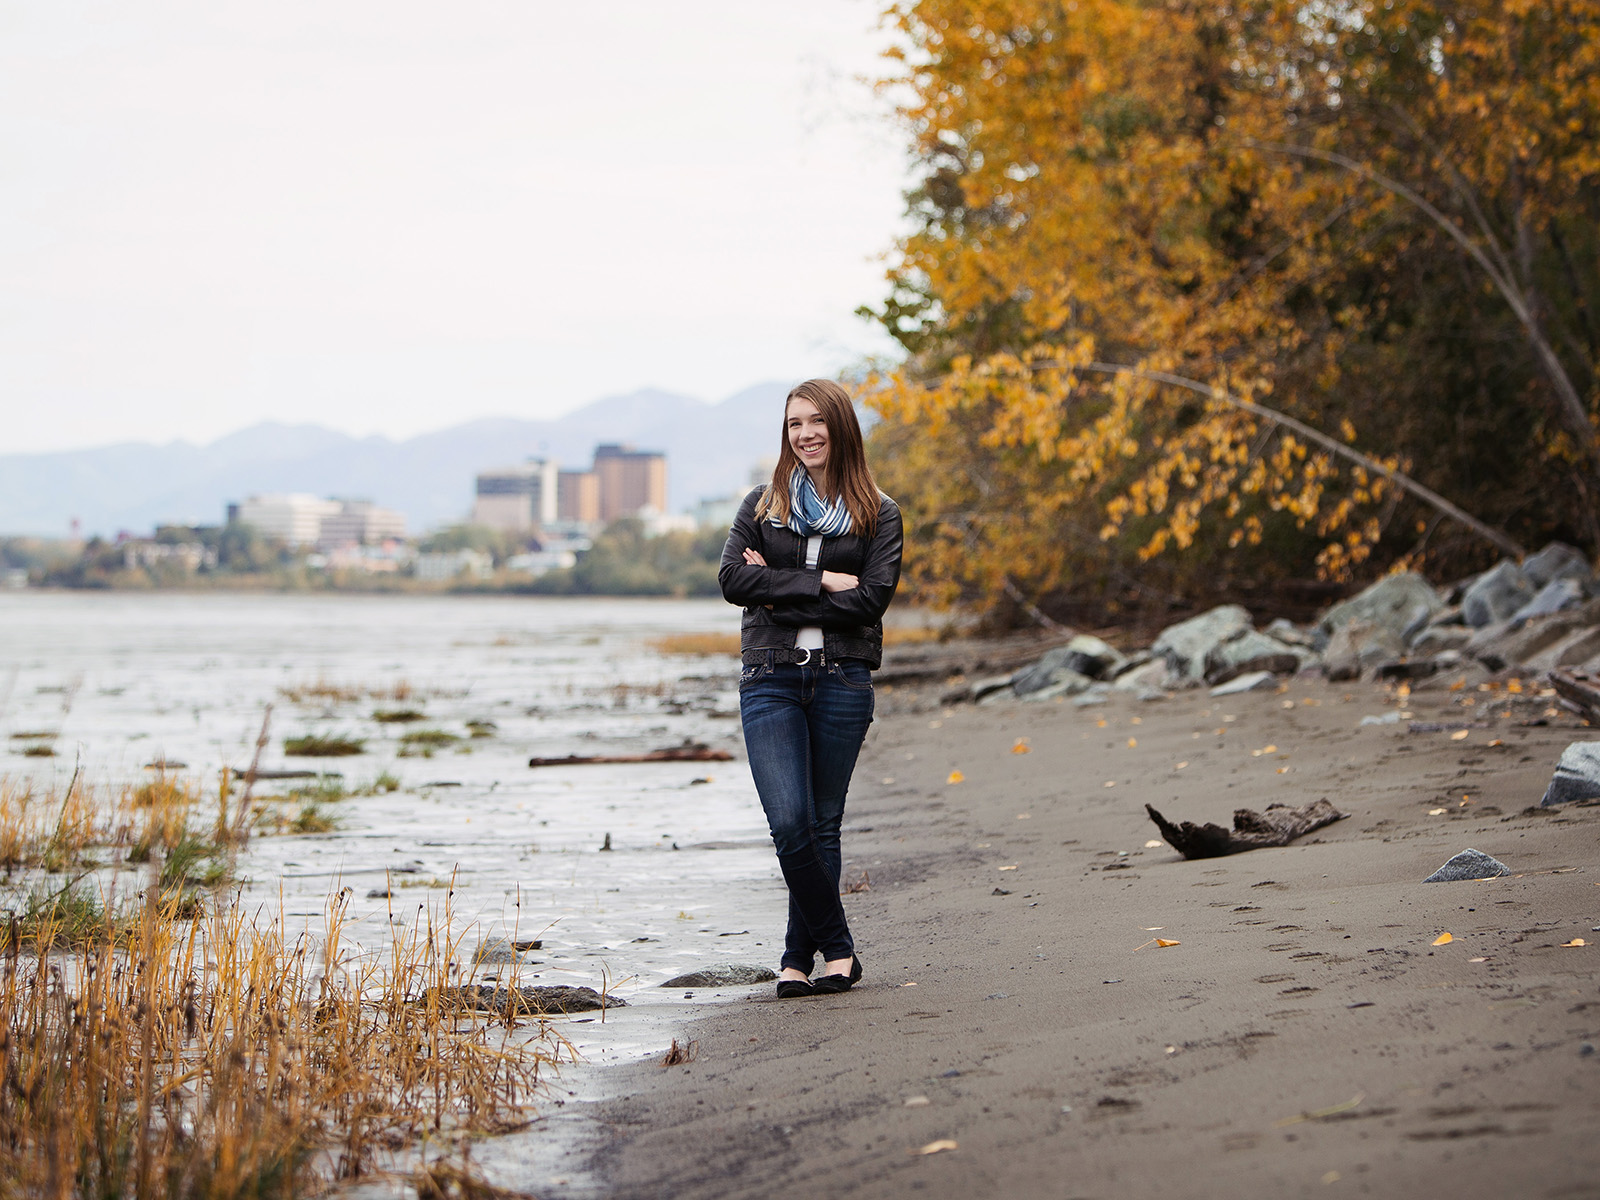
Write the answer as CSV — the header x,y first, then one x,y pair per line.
x,y
158,1039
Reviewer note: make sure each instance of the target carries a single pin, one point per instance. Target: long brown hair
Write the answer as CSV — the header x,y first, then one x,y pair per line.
x,y
846,474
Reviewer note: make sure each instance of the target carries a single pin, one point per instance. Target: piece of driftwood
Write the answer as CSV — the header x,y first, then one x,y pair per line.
x,y
1581,692
694,752
1278,826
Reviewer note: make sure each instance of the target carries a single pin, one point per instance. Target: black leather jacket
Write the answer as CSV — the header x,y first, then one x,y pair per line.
x,y
785,595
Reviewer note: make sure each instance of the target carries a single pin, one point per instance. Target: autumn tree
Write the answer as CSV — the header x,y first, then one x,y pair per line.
x,y
1205,294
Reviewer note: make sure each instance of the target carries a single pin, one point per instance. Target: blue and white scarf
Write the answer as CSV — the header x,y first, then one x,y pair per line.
x,y
809,513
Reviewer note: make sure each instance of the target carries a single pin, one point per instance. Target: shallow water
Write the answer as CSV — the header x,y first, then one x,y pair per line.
x,y
126,679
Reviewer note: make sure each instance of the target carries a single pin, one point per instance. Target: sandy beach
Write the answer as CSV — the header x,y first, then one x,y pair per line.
x,y
1305,1034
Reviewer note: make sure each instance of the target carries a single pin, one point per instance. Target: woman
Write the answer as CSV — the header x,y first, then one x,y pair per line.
x,y
814,558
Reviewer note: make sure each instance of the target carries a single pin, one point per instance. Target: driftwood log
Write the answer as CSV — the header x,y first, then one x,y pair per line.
x,y
1278,826
1581,692
694,752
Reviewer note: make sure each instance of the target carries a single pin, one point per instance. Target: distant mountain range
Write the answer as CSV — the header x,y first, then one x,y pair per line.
x,y
710,449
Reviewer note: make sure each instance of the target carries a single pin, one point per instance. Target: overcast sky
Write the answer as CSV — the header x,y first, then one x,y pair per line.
x,y
392,216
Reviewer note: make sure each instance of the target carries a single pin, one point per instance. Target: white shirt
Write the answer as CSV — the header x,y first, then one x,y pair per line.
x,y
809,637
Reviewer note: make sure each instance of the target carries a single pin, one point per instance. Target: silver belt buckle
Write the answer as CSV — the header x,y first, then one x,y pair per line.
x,y
807,659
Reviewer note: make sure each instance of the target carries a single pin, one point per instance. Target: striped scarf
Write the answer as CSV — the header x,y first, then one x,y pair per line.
x,y
809,514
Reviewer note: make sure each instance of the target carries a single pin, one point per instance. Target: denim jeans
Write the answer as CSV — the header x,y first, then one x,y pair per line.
x,y
803,727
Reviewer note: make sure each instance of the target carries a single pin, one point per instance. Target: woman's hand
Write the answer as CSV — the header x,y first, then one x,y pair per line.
x,y
837,581
753,558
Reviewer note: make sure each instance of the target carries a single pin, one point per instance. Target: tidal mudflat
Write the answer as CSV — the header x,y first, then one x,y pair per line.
x,y
623,874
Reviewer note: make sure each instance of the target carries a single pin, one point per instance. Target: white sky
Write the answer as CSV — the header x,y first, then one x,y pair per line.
x,y
392,216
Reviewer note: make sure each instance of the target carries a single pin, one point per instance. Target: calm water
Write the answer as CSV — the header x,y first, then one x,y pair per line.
x,y
128,679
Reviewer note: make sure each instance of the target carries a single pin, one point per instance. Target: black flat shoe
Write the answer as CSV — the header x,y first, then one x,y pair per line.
x,y
828,985
793,989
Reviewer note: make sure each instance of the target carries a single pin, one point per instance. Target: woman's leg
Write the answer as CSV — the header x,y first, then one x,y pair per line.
x,y
778,742
840,713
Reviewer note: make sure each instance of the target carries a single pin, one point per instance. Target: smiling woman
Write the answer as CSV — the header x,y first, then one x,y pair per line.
x,y
814,558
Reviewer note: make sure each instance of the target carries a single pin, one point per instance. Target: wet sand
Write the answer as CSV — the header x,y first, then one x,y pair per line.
x,y
1305,1036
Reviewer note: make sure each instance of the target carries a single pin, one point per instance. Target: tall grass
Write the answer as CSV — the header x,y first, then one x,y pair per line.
x,y
220,1057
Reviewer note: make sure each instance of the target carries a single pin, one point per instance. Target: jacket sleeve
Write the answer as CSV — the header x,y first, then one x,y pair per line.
x,y
865,603
750,586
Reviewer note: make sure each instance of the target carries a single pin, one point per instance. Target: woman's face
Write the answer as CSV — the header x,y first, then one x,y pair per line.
x,y
808,435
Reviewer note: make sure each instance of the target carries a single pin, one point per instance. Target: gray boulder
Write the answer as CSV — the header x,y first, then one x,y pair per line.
x,y
1554,596
1051,668
722,975
1088,655
1556,561
1247,682
1358,645
1577,775
1185,645
1437,638
1469,864
1577,647
1496,595
1290,634
497,951
1400,603
1153,675
1251,652
1505,644
1066,683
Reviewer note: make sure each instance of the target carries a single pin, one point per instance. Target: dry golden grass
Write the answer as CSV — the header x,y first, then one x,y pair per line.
x,y
221,1058
327,691
706,644
700,645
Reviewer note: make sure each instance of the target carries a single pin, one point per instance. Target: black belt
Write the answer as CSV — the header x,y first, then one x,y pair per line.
x,y
797,656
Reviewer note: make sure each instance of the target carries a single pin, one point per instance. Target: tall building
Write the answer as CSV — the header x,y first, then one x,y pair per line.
x,y
630,480
578,497
519,499
361,523
293,517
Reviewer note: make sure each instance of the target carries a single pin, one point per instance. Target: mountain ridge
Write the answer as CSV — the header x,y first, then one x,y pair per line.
x,y
710,447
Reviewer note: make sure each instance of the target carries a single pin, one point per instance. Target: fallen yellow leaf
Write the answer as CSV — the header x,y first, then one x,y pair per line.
x,y
1459,735
935,1147
1012,867
1575,942
955,777
1283,770
1020,746
1181,765
1497,742
1101,723
1471,960
1434,812
917,1102
1166,942
1111,783
1024,816
1132,742
1153,843
1269,750
1444,939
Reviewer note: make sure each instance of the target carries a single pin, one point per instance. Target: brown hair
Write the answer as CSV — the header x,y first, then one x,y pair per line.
x,y
847,473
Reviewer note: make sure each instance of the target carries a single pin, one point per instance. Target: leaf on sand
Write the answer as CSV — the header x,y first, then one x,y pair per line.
x,y
1335,1110
1111,783
1575,942
1133,743
1444,939
1460,735
1012,867
935,1147
1166,942
917,1102
1153,843
1434,812
1020,746
955,777
1473,960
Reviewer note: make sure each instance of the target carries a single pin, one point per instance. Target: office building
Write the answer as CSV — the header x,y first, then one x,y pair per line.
x,y
630,480
293,517
578,498
520,499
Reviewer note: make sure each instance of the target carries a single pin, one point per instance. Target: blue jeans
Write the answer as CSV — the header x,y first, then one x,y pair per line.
x,y
803,727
